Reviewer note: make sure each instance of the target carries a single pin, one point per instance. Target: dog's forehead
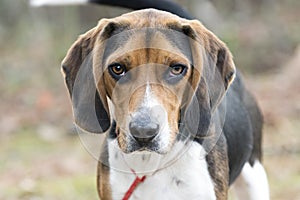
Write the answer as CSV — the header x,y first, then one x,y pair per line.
x,y
144,30
142,40
149,44
148,18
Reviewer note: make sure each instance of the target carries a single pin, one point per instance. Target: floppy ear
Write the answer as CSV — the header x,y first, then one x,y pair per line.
x,y
213,72
219,70
90,108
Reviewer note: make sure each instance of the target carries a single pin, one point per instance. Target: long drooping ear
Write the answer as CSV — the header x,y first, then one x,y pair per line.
x,y
218,66
213,72
90,108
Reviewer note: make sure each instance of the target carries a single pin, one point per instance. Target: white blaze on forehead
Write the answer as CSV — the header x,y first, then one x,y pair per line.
x,y
156,109
159,114
149,98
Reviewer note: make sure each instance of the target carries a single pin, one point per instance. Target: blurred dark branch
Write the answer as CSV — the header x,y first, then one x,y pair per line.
x,y
165,5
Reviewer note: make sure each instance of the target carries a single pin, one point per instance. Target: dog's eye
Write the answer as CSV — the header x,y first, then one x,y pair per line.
x,y
177,69
175,73
117,69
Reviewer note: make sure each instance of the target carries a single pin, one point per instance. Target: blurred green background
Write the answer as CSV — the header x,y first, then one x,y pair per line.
x,y
41,156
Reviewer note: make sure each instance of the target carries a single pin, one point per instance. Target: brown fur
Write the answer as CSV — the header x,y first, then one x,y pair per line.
x,y
104,188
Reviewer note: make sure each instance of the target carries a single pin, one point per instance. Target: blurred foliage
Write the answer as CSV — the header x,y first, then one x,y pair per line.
x,y
262,34
40,158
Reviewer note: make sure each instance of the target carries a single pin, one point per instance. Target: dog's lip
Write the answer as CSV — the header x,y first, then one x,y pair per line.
x,y
139,147
142,150
149,148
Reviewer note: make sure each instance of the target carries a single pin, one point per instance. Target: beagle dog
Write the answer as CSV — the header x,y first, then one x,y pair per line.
x,y
178,120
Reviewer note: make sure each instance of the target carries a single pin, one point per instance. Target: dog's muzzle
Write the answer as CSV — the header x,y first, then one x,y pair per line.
x,y
143,128
148,129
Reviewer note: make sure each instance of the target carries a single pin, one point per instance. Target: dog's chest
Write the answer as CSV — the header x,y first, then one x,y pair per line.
x,y
186,178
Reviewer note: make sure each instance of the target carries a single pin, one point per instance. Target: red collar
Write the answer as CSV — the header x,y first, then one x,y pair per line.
x,y
134,185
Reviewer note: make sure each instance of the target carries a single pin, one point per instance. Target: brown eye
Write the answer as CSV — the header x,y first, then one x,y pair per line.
x,y
177,69
117,69
175,73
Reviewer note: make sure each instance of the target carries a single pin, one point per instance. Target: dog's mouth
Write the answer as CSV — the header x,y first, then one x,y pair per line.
x,y
144,145
147,146
128,144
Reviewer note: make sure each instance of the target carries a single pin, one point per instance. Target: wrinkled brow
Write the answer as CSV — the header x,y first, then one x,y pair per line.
x,y
177,39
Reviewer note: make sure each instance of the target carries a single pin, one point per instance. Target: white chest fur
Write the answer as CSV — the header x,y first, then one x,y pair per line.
x,y
186,178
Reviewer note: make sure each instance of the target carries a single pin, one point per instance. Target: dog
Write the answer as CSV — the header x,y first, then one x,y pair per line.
x,y
178,120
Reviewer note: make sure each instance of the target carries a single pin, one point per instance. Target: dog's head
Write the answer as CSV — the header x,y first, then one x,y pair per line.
x,y
157,76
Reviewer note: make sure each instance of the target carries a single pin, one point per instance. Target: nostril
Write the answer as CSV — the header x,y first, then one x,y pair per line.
x,y
143,133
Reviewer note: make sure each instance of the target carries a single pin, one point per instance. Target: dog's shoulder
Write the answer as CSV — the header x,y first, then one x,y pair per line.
x,y
240,125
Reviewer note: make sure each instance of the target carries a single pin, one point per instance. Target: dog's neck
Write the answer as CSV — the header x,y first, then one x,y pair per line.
x,y
183,170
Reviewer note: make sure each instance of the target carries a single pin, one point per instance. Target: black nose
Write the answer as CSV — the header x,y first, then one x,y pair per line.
x,y
143,133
